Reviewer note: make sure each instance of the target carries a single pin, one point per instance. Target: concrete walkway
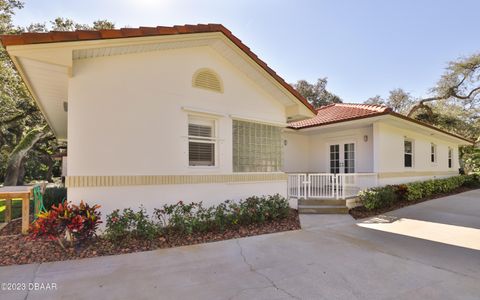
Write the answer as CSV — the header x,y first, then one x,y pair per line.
x,y
398,256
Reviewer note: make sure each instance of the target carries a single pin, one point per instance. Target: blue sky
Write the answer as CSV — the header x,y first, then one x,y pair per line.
x,y
365,47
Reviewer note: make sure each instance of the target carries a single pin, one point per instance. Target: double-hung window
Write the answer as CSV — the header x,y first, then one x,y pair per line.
x,y
408,153
433,153
450,156
202,142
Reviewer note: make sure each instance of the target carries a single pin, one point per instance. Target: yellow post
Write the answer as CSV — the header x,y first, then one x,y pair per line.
x,y
8,209
25,213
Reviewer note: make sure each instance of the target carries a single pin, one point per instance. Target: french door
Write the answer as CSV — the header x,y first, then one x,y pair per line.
x,y
342,158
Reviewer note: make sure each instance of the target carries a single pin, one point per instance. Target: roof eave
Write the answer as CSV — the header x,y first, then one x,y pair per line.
x,y
403,117
391,113
82,35
30,90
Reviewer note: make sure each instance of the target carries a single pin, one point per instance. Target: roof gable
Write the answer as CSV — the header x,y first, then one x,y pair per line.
x,y
88,35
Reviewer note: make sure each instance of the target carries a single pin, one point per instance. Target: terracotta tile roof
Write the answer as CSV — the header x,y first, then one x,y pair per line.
x,y
84,35
341,112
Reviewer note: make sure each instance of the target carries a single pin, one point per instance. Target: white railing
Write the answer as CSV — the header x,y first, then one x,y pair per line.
x,y
350,184
321,186
327,185
296,186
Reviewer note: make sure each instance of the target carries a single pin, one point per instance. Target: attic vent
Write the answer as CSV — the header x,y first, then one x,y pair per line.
x,y
207,79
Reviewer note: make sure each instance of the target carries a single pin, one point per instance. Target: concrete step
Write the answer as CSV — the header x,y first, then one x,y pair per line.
x,y
322,209
330,202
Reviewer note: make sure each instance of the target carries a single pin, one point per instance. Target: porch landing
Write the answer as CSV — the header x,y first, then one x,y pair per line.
x,y
322,206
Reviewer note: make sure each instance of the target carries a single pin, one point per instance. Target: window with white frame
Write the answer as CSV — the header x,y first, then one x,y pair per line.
x,y
349,157
450,156
433,153
335,159
202,142
408,153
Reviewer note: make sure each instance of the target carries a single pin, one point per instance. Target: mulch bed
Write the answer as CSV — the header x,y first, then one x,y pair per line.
x,y
360,212
14,227
17,249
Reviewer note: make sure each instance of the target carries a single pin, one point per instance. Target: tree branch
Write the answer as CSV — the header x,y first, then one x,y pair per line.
x,y
421,103
17,117
467,96
13,119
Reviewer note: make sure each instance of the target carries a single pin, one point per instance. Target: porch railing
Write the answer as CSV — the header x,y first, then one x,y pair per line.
x,y
327,185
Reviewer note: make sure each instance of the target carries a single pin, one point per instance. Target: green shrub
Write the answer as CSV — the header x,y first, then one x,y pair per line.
x,y
128,223
54,196
193,217
117,226
424,189
472,181
429,187
378,197
414,191
144,227
447,185
225,214
185,218
400,191
261,209
190,218
277,207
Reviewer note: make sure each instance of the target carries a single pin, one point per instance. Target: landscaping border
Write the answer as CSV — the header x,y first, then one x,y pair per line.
x,y
21,250
360,212
68,231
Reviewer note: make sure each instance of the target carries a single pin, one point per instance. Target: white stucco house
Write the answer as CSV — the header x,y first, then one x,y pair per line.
x,y
155,115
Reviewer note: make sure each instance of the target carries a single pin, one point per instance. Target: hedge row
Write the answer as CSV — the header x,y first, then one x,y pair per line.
x,y
379,197
188,218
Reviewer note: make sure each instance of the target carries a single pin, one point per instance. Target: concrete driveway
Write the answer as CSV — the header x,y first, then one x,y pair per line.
x,y
426,251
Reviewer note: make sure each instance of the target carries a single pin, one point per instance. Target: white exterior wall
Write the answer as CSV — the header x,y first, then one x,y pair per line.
x,y
152,197
389,154
125,117
310,153
320,149
296,152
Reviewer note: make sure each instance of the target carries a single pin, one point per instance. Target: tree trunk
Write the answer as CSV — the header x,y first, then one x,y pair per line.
x,y
50,163
18,154
21,172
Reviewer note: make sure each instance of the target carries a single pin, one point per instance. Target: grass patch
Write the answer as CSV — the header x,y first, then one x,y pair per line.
x,y
16,209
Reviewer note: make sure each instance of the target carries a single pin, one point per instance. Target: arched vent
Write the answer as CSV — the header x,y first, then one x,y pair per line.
x,y
207,79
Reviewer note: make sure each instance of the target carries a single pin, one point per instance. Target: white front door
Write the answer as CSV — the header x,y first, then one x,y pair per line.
x,y
342,158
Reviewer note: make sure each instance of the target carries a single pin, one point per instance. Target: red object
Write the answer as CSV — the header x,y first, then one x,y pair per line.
x,y
340,112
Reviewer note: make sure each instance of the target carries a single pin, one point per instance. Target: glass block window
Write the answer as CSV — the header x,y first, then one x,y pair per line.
x,y
201,142
256,147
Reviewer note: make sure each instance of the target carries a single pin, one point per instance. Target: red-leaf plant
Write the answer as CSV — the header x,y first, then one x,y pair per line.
x,y
75,223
